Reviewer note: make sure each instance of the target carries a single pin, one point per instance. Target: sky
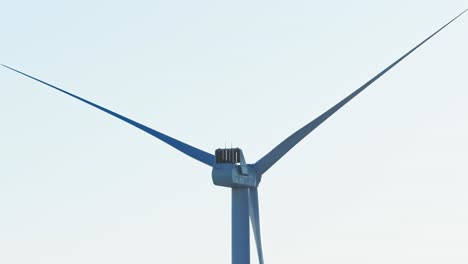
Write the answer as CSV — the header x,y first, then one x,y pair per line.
x,y
382,181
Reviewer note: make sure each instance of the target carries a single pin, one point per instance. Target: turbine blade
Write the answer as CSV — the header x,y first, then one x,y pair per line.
x,y
255,220
279,151
193,152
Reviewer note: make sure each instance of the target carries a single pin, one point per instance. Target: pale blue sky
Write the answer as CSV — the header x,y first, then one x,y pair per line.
x,y
382,181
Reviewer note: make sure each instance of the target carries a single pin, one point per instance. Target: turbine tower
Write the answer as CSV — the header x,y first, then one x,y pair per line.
x,y
229,168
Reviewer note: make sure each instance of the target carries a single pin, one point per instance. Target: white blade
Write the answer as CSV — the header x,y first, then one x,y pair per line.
x,y
255,220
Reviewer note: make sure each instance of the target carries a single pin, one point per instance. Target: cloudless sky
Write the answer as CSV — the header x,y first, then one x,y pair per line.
x,y
383,181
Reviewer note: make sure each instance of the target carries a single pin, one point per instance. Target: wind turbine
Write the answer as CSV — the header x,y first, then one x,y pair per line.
x,y
229,168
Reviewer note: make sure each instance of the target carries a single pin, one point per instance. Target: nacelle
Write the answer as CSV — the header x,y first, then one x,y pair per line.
x,y
229,175
230,170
